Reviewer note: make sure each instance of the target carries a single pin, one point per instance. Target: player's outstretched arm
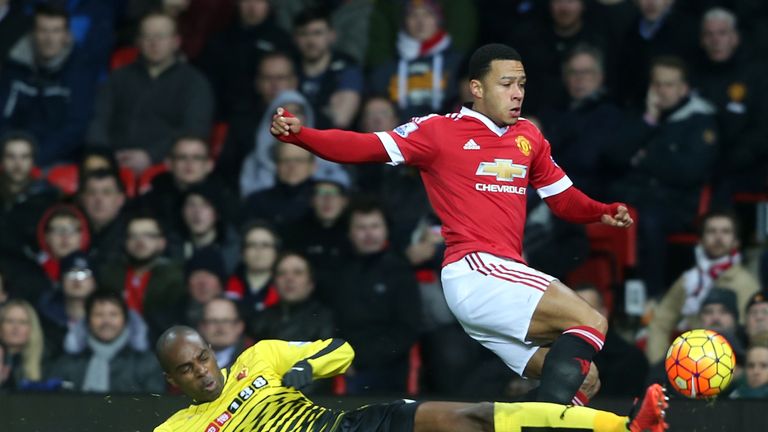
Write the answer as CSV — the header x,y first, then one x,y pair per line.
x,y
574,206
333,144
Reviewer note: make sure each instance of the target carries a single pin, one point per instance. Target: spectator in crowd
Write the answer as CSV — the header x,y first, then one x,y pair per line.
x,y
378,114
190,163
61,309
198,20
252,283
458,17
544,46
321,235
259,168
48,88
718,264
3,290
755,386
249,130
719,312
331,80
659,31
92,27
204,227
143,106
288,200
583,130
24,198
62,230
205,276
376,304
151,284
422,78
732,78
297,316
231,57
97,158
109,364
351,22
617,356
22,339
757,316
672,150
102,197
14,23
223,328
550,244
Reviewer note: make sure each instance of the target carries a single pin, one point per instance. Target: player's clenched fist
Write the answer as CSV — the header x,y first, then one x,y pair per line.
x,y
620,219
284,123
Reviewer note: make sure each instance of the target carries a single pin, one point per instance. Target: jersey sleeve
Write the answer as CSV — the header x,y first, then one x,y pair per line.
x,y
412,143
546,175
329,357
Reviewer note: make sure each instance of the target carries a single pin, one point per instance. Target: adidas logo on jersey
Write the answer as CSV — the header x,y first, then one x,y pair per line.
x,y
471,145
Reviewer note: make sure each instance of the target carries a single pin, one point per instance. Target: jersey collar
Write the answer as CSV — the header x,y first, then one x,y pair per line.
x,y
467,111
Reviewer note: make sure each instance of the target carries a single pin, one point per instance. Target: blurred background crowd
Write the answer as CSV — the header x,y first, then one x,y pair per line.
x,y
140,186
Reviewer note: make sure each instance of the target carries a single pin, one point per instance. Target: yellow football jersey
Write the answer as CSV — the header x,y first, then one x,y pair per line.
x,y
254,399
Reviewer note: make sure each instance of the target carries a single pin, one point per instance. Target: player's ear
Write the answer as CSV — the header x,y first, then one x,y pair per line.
x,y
170,379
476,88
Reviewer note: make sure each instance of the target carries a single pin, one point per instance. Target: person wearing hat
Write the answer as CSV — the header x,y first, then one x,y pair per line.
x,y
62,308
205,277
719,312
757,316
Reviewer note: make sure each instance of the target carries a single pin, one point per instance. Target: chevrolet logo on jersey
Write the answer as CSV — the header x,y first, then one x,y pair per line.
x,y
502,169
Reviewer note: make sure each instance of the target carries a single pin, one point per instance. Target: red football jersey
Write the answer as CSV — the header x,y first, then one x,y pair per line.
x,y
476,175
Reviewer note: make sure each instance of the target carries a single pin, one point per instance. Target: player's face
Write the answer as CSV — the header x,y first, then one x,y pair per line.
x,y
719,39
719,237
192,367
499,95
757,367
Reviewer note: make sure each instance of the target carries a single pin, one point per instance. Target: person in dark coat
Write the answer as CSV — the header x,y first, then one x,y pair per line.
x,y
102,197
143,106
109,364
48,88
14,24
671,151
582,130
376,304
297,316
731,76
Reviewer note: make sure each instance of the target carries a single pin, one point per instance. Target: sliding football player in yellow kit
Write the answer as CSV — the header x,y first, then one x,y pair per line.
x,y
260,392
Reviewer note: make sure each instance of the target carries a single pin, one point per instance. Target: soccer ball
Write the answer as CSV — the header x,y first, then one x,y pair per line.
x,y
700,364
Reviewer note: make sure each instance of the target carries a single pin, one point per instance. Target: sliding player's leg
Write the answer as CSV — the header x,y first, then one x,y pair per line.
x,y
514,417
588,389
578,331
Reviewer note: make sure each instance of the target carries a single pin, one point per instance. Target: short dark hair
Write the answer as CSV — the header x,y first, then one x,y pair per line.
x,y
290,253
52,10
162,14
586,49
310,15
145,214
259,224
366,205
480,62
672,62
273,55
189,137
728,214
16,135
101,174
105,296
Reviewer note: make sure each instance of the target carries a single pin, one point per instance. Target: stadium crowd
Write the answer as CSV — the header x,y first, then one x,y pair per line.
x,y
140,186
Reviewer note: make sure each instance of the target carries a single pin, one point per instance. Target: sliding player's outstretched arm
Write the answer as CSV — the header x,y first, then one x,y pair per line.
x,y
333,144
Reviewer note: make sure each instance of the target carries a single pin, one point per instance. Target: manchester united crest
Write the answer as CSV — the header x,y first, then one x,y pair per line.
x,y
523,144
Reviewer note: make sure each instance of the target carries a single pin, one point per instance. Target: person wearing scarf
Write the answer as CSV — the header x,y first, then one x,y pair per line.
x,y
718,263
422,79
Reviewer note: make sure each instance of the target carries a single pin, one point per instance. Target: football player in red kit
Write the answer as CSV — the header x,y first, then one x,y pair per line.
x,y
476,166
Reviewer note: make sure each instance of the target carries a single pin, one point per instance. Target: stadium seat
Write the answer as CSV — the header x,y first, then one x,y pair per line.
x,y
612,251
64,177
123,56
145,179
129,181
218,136
414,370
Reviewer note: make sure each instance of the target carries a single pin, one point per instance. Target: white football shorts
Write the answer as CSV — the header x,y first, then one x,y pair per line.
x,y
494,299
